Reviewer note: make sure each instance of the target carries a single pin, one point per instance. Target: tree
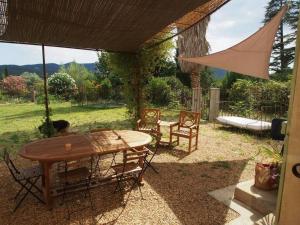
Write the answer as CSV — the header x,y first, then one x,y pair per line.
x,y
284,48
206,78
105,88
190,43
84,79
102,65
62,85
5,72
33,81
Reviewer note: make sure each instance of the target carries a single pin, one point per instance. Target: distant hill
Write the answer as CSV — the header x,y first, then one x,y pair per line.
x,y
38,68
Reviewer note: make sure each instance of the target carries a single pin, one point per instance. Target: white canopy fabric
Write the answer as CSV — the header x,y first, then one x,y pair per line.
x,y
251,56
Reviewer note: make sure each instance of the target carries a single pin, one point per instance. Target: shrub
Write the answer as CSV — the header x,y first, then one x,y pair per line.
x,y
33,81
62,85
105,88
158,91
248,96
14,85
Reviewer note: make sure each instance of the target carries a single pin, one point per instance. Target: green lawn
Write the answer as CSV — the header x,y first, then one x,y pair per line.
x,y
19,122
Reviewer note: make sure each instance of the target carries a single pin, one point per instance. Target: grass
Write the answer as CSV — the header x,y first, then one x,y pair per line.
x,y
19,122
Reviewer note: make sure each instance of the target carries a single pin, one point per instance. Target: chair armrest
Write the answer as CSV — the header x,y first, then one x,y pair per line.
x,y
193,126
174,124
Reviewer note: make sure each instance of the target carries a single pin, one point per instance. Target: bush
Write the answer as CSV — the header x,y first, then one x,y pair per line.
x,y
248,95
62,85
159,91
105,88
14,86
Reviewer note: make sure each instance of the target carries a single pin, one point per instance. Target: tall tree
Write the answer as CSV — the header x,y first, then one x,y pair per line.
x,y
191,43
284,48
5,72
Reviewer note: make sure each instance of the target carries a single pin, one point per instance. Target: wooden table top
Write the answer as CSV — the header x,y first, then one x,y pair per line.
x,y
84,145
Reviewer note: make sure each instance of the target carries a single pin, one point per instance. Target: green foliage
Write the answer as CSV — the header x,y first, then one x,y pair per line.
x,y
84,79
250,95
206,79
5,74
272,154
102,65
284,48
47,130
105,88
159,92
33,81
62,85
167,91
136,69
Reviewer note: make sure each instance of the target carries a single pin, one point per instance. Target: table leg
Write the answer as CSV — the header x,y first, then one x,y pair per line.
x,y
46,184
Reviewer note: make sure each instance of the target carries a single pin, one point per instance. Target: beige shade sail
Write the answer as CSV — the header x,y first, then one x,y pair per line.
x,y
251,56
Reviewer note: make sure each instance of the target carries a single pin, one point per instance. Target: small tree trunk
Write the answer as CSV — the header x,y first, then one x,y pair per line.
x,y
33,94
195,80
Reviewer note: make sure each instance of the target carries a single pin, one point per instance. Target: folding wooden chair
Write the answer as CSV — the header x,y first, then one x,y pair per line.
x,y
151,154
77,177
26,178
132,168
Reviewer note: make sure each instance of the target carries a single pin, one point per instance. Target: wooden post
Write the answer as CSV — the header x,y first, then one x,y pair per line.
x,y
288,204
214,103
47,113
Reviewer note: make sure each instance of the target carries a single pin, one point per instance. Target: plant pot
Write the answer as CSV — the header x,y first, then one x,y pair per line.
x,y
267,176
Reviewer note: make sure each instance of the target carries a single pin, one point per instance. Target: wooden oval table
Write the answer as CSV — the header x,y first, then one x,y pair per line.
x,y
72,147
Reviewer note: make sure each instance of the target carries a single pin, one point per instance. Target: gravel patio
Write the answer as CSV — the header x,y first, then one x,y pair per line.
x,y
177,195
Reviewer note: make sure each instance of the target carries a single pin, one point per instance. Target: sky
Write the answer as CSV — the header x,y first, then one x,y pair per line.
x,y
229,25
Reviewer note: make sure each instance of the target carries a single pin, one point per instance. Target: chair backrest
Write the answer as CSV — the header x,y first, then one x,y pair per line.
x,y
188,119
135,155
150,116
10,165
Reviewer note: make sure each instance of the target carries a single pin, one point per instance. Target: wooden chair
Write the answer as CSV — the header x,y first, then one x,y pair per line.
x,y
152,153
132,168
149,121
187,127
76,176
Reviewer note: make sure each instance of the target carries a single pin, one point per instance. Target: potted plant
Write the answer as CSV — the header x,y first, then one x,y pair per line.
x,y
267,175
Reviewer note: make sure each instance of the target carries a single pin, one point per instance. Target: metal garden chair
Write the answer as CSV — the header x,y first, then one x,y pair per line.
x,y
26,178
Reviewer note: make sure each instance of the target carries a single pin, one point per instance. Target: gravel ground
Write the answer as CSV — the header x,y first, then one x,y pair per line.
x,y
177,195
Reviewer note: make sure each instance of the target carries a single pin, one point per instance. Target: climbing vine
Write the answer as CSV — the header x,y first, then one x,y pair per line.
x,y
135,70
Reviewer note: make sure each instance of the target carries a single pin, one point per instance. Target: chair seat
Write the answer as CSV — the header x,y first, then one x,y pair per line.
x,y
184,132
129,168
31,172
74,175
148,128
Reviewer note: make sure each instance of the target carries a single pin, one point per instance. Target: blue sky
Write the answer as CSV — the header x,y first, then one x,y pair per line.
x,y
229,25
